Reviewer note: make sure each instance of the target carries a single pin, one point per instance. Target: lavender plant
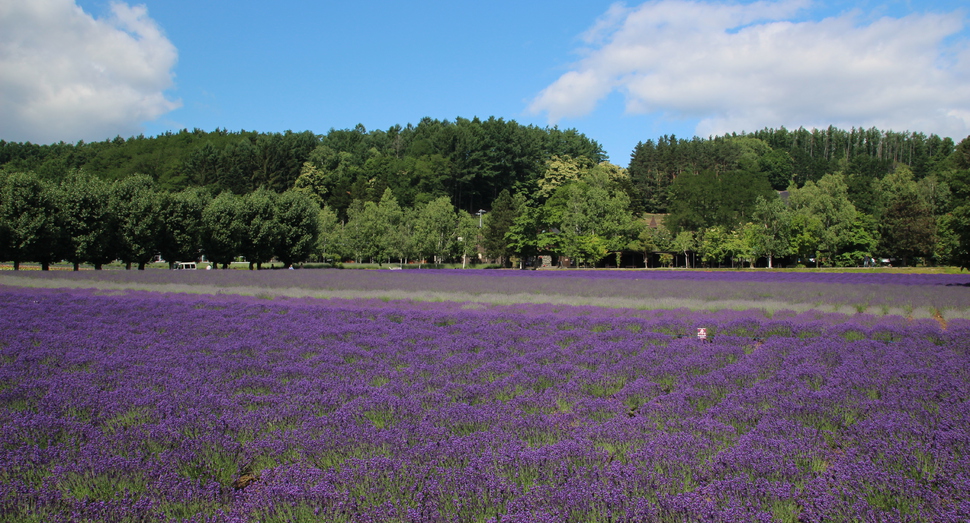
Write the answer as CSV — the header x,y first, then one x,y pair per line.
x,y
140,406
917,295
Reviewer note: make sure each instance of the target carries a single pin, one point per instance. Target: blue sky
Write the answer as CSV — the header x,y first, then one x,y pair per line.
x,y
620,73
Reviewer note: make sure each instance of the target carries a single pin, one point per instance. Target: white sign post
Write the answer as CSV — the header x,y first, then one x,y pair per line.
x,y
701,333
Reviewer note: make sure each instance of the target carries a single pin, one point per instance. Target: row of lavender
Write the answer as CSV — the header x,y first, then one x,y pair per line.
x,y
734,276
148,407
846,292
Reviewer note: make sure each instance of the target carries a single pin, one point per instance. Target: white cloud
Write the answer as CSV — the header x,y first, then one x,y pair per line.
x,y
737,67
65,75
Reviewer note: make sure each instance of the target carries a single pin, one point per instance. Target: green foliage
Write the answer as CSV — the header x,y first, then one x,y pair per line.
x,y
313,182
87,222
498,222
297,218
223,228
786,158
389,215
373,230
592,217
823,217
29,223
436,229
957,227
469,161
710,199
909,227
329,238
851,192
261,229
526,236
779,167
356,239
961,155
180,213
861,240
560,171
806,235
469,236
136,205
684,242
653,239
771,232
712,245
84,219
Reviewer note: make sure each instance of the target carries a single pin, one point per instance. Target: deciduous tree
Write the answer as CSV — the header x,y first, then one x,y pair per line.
x,y
88,220
31,230
436,229
771,235
297,216
262,231
137,208
824,215
684,242
180,237
223,229
469,236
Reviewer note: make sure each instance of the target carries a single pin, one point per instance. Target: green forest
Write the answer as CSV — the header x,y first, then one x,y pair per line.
x,y
470,189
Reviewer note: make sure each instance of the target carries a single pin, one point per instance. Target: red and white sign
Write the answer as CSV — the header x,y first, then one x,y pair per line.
x,y
701,333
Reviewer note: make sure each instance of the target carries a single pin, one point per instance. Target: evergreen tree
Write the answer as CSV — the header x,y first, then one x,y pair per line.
x,y
909,228
497,223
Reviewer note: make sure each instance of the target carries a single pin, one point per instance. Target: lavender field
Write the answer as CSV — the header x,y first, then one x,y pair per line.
x,y
231,400
913,295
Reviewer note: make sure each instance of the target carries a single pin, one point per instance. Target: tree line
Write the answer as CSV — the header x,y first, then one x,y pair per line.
x,y
787,158
468,160
844,197
84,219
446,190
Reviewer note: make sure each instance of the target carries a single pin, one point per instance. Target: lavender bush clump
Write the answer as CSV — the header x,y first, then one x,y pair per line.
x,y
142,406
915,295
